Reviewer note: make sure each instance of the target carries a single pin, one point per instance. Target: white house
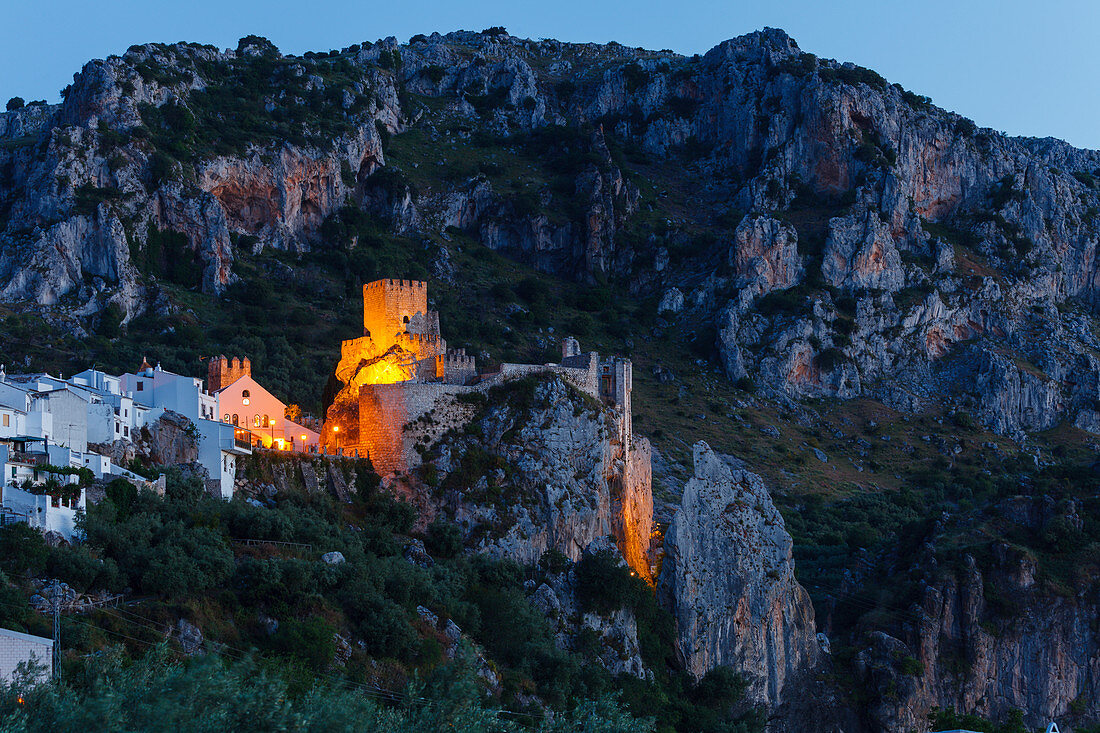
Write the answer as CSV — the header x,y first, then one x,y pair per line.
x,y
157,388
18,648
220,444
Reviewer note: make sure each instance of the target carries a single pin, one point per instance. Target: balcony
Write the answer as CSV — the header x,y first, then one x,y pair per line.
x,y
242,441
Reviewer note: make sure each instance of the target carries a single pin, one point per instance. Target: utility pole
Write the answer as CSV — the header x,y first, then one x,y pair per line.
x,y
55,597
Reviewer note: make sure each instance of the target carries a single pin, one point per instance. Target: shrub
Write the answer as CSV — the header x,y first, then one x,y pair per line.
x,y
434,72
15,103
258,43
603,585
444,539
635,77
829,359
494,31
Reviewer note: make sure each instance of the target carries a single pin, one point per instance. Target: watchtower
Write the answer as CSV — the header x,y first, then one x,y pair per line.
x,y
392,307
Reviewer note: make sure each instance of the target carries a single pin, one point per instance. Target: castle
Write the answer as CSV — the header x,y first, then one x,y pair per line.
x,y
401,369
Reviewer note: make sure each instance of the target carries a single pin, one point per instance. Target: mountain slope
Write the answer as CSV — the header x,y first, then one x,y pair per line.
x,y
886,312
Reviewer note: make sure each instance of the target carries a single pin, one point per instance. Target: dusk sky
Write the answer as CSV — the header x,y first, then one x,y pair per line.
x,y
1024,68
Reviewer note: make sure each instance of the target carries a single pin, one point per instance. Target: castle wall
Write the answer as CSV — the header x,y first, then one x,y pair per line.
x,y
632,508
388,303
385,410
583,378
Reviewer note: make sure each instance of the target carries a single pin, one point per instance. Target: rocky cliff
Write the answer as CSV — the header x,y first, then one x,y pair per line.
x,y
539,470
728,577
865,235
989,637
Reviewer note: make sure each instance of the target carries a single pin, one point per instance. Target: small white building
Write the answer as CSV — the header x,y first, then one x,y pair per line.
x,y
220,444
157,388
18,648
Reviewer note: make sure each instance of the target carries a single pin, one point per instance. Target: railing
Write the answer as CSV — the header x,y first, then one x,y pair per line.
x,y
275,543
32,458
10,516
242,439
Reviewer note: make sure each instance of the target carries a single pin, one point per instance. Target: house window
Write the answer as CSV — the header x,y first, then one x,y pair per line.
x,y
245,394
141,385
255,421
225,417
234,419
116,428
126,413
267,421
126,431
6,418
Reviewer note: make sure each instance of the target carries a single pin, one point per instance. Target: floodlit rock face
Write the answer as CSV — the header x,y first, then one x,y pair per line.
x,y
542,470
728,578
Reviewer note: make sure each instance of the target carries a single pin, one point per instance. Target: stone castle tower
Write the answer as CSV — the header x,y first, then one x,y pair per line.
x,y
395,309
222,372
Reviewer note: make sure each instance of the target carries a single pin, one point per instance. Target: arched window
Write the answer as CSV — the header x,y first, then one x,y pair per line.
x,y
234,419
406,319
225,417
245,394
267,421
255,421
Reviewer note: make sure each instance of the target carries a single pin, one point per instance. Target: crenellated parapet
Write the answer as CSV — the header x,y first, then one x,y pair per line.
x,y
222,372
455,367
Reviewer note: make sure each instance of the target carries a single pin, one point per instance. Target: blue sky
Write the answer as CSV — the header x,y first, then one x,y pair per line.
x,y
1027,68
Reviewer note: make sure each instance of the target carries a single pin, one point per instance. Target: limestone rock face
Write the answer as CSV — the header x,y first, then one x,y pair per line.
x,y
1040,657
617,631
728,578
860,253
904,234
171,440
570,481
765,254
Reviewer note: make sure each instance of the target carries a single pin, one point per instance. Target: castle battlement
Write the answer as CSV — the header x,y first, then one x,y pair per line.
x,y
391,284
455,367
222,372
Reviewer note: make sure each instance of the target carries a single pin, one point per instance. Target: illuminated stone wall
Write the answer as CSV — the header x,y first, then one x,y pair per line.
x,y
385,410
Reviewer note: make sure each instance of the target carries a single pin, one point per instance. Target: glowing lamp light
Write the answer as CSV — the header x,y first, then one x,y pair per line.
x,y
303,437
245,401
335,428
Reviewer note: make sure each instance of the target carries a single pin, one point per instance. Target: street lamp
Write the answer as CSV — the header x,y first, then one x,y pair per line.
x,y
271,423
336,433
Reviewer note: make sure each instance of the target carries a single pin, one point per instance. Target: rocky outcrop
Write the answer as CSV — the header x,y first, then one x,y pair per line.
x,y
170,441
728,578
616,632
989,639
550,476
860,254
765,255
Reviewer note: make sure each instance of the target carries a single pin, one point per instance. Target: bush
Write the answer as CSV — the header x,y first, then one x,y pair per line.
x,y
434,72
110,321
15,103
604,586
444,539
